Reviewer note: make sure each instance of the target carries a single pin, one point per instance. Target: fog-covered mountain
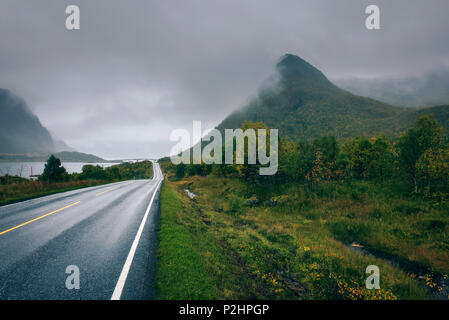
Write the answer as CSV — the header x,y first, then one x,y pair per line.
x,y
20,130
305,105
24,138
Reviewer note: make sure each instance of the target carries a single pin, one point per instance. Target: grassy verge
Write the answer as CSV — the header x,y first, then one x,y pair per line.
x,y
26,190
291,245
182,273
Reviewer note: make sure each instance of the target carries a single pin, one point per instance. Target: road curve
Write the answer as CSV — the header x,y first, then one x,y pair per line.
x,y
93,229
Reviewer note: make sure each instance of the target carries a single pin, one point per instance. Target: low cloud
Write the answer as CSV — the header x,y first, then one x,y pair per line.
x,y
138,69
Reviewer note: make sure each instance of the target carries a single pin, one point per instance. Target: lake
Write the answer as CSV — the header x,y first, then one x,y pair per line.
x,y
23,169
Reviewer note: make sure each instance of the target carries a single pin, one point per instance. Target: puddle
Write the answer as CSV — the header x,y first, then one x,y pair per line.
x,y
436,283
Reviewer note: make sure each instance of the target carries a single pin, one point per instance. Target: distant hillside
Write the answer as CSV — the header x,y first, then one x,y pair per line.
x,y
20,130
61,145
74,156
440,113
305,105
24,138
429,89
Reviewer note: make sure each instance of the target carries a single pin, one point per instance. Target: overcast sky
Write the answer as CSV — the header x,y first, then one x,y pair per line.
x,y
136,70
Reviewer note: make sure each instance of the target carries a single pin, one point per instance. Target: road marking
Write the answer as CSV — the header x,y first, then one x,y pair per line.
x,y
100,193
43,216
114,188
124,274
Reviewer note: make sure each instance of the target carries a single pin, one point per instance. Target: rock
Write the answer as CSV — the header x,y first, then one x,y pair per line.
x,y
190,194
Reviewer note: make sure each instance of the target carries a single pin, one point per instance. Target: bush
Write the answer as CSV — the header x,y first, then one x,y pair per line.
x,y
235,204
93,172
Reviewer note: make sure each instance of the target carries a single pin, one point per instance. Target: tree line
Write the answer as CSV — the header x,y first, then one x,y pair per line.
x,y
55,172
419,156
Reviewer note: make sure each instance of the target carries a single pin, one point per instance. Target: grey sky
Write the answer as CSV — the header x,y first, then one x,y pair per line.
x,y
139,69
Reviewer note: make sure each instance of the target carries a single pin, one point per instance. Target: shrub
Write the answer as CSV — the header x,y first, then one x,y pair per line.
x,y
236,204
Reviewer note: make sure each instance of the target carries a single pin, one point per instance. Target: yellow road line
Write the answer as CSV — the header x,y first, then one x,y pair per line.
x,y
100,193
43,216
114,188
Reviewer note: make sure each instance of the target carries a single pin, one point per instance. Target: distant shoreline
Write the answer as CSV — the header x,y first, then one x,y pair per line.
x,y
65,156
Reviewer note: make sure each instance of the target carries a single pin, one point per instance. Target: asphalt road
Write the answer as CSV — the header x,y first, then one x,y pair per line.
x,y
107,232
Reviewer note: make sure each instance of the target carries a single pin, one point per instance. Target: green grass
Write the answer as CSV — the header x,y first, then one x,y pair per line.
x,y
181,274
293,243
22,191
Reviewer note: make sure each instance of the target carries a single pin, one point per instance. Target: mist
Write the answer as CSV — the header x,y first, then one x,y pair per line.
x,y
137,70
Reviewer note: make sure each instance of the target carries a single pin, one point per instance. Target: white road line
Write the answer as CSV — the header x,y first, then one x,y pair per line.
x,y
124,274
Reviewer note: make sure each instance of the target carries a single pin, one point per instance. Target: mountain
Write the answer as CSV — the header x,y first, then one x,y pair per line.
x,y
74,156
304,105
24,138
64,156
20,130
431,88
60,145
